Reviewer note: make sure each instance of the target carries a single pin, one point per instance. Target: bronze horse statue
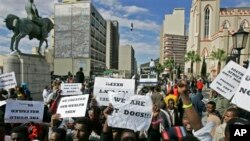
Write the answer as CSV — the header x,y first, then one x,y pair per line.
x,y
24,26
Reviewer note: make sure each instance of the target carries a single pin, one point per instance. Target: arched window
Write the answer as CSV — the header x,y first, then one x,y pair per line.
x,y
206,23
205,52
244,24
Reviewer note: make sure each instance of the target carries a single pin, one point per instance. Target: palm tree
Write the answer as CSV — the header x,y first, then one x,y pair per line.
x,y
170,65
193,58
159,68
219,55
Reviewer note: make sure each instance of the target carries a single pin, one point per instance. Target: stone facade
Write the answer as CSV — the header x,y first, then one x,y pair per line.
x,y
31,69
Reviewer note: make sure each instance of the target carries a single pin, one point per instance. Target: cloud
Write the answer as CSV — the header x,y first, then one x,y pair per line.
x,y
45,9
243,3
108,2
116,6
142,38
126,22
144,51
110,9
134,10
142,48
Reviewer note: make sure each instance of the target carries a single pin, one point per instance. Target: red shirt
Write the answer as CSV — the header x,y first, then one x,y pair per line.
x,y
199,85
176,92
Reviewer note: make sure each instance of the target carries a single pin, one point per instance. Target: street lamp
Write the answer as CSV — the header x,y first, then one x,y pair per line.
x,y
239,41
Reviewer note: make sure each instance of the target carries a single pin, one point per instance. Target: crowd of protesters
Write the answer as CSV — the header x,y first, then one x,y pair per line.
x,y
181,111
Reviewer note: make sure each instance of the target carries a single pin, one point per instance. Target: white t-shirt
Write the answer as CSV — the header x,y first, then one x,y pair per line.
x,y
203,134
7,138
172,116
45,95
152,64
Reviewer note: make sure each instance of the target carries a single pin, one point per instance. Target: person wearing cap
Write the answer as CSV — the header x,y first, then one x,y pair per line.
x,y
26,91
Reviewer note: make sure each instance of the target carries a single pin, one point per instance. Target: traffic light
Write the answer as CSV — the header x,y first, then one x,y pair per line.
x,y
246,64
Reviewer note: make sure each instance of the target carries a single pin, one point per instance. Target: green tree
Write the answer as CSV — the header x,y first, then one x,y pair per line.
x,y
219,55
204,69
170,65
159,68
193,58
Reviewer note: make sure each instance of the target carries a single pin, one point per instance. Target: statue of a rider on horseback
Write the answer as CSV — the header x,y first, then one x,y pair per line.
x,y
34,26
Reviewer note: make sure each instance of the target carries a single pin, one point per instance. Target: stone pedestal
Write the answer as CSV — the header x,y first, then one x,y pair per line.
x,y
31,69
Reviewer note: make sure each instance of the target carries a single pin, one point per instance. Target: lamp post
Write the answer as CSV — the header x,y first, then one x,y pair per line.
x,y
173,54
239,41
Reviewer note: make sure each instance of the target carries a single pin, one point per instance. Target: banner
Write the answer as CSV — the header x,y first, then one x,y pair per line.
x,y
134,112
227,82
73,106
7,81
71,88
104,85
242,94
20,111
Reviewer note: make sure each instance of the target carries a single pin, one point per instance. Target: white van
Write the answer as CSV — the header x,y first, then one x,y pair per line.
x,y
148,80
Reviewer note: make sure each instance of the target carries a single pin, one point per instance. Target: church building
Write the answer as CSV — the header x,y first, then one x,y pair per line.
x,y
211,28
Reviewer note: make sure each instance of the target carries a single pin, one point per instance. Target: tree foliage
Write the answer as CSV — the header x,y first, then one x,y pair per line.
x,y
204,69
219,55
192,57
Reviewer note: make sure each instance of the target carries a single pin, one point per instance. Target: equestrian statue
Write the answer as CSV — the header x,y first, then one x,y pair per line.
x,y
34,26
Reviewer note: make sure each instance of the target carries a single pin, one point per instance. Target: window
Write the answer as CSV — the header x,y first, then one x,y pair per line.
x,y
244,24
206,25
226,25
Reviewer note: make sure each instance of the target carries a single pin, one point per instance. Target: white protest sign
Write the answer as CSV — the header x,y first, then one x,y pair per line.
x,y
73,106
20,111
227,82
71,88
133,113
104,85
242,94
119,97
7,81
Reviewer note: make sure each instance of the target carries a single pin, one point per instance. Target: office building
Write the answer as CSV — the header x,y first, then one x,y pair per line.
x,y
127,60
112,44
80,38
172,38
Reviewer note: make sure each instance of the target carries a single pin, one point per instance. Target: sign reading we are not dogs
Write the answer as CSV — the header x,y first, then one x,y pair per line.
x,y
105,85
133,112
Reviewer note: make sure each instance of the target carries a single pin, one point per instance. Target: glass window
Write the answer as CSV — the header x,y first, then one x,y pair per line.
x,y
207,17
